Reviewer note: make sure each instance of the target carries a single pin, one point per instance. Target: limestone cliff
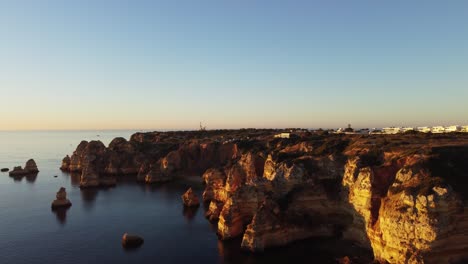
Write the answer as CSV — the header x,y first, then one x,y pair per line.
x,y
402,197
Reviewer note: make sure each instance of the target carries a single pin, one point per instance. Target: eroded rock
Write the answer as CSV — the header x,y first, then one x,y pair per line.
x,y
190,199
61,200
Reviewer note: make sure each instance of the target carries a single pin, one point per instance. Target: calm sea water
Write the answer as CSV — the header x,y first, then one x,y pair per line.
x,y
90,231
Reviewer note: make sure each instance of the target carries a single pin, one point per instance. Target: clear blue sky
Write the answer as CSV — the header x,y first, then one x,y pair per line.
x,y
171,64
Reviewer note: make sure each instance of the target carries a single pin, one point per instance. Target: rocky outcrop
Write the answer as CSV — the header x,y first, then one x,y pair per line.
x,y
408,216
4,169
65,163
29,168
190,199
402,197
157,175
89,176
214,210
214,180
156,161
61,201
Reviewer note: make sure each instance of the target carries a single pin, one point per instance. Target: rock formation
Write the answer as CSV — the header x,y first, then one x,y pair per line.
x,y
61,201
29,168
190,199
403,197
4,169
65,163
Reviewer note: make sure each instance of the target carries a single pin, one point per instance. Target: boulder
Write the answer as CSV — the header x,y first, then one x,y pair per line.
x,y
190,198
61,200
131,241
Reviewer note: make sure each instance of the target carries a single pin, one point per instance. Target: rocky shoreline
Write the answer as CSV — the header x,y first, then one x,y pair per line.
x,y
404,197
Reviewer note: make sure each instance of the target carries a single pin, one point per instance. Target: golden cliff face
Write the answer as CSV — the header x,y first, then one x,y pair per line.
x,y
391,205
415,220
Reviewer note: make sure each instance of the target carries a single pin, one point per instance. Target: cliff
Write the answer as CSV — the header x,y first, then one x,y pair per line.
x,y
403,197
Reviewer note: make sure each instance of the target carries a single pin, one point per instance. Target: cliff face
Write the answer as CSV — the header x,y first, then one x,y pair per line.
x,y
152,162
403,198
409,214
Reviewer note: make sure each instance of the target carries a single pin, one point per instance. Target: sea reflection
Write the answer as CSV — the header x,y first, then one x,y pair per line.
x,y
75,178
189,213
30,178
230,252
88,196
61,214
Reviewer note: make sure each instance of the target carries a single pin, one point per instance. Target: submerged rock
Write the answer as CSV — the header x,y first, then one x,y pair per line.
x,y
190,198
61,200
131,241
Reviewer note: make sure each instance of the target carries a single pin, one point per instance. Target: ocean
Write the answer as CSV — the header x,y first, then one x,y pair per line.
x,y
90,231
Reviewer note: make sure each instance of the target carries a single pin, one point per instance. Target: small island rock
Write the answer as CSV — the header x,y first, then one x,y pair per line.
x,y
61,200
4,169
31,166
190,198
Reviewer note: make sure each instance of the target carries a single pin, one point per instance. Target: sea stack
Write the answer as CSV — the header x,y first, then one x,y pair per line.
x,y
61,201
31,166
190,199
65,163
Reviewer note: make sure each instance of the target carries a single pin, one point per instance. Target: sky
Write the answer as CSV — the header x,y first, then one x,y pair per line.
x,y
232,64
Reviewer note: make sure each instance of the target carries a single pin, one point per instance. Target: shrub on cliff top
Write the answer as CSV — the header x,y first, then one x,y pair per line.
x,y
373,157
331,145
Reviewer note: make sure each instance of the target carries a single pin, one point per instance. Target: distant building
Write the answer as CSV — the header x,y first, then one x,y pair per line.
x,y
363,131
449,129
424,129
283,135
391,130
438,129
375,131
406,129
464,129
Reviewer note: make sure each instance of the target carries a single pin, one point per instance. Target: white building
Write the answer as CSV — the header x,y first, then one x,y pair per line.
x,y
363,131
464,129
449,129
405,129
424,129
282,135
391,130
438,129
